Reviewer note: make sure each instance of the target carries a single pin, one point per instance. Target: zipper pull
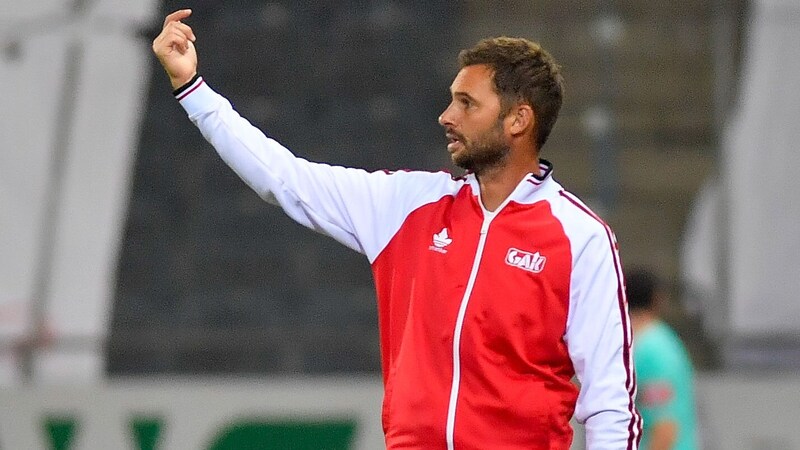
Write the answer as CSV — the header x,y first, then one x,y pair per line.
x,y
485,227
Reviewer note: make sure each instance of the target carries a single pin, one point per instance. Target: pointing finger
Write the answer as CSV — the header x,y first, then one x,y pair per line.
x,y
177,16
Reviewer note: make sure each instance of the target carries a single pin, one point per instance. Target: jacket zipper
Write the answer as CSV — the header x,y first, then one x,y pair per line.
x,y
451,409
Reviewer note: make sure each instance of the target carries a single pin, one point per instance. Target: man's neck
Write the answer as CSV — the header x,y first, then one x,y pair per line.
x,y
498,183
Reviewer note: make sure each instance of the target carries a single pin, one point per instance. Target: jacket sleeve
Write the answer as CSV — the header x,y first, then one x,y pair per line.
x,y
360,209
599,341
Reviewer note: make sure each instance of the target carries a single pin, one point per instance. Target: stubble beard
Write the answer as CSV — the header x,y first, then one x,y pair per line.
x,y
489,152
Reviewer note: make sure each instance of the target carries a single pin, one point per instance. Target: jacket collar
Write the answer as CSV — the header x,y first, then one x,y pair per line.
x,y
530,189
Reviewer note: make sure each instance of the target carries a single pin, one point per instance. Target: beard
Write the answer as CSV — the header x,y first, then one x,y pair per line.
x,y
484,153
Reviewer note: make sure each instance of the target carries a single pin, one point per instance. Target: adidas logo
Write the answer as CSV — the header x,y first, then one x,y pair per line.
x,y
532,262
440,241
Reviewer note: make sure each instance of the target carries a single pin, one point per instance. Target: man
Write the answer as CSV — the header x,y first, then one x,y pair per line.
x,y
493,289
663,368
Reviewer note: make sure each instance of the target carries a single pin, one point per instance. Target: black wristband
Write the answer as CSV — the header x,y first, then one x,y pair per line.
x,y
180,90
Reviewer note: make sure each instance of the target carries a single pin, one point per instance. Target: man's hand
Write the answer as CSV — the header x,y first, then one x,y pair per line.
x,y
174,48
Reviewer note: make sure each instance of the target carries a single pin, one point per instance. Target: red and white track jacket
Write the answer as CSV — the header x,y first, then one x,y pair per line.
x,y
484,316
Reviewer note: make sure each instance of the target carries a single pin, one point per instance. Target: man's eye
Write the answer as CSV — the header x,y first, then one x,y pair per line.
x,y
466,102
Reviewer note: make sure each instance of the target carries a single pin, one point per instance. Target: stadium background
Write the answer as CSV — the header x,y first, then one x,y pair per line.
x,y
141,281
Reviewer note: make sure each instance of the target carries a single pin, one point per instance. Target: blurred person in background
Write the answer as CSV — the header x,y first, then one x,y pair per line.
x,y
664,371
494,288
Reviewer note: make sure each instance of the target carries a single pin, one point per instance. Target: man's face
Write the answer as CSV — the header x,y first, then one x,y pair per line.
x,y
472,121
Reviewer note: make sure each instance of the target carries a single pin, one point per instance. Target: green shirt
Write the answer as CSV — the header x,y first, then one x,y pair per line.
x,y
665,384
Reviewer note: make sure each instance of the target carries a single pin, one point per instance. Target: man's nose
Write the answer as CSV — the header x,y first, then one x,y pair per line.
x,y
445,118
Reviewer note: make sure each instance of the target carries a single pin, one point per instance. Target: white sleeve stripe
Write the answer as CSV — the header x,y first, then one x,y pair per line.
x,y
189,89
634,427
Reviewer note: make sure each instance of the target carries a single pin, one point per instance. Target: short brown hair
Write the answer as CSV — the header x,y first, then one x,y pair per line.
x,y
524,72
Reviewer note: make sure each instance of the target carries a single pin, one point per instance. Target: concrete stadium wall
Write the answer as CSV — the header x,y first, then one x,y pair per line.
x,y
738,412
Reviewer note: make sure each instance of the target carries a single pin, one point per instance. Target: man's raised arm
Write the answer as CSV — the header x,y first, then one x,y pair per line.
x,y
357,208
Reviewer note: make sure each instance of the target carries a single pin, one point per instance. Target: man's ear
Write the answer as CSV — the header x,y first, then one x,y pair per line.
x,y
523,119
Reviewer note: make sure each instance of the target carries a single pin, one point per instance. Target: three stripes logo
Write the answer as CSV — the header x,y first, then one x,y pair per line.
x,y
440,241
